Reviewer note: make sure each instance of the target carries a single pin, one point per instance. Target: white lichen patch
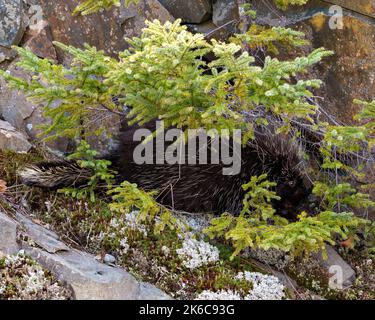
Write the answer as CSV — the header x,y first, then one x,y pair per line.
x,y
219,295
196,223
265,287
22,278
131,222
195,254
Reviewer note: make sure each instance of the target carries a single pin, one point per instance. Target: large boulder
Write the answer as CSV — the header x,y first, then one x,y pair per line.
x,y
23,115
11,22
225,11
12,27
192,11
350,73
133,18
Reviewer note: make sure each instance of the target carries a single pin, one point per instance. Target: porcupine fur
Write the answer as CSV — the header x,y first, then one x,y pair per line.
x,y
195,188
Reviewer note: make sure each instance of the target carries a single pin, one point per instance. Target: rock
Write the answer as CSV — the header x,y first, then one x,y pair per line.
x,y
210,30
11,139
366,7
45,239
8,235
14,106
77,30
6,54
61,26
150,292
12,27
225,11
39,40
335,264
23,115
192,11
133,18
11,22
109,259
89,279
350,73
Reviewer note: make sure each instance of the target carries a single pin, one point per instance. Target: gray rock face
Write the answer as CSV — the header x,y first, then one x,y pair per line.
x,y
150,292
191,11
335,264
133,18
23,115
11,139
8,235
45,239
224,11
14,106
88,278
11,22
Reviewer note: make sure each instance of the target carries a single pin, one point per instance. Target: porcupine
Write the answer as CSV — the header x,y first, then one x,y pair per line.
x,y
195,188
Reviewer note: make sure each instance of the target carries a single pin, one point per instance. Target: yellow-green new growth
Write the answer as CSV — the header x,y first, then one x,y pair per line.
x,y
92,6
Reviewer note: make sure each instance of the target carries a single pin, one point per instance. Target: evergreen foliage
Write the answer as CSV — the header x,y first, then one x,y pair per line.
x,y
285,3
262,37
163,76
258,228
128,197
92,6
101,176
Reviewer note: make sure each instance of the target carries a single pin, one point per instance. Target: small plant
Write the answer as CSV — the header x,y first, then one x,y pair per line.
x,y
367,115
342,194
92,6
285,3
262,37
258,228
127,198
101,174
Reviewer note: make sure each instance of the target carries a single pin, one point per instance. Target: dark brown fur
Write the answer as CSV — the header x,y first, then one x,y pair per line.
x,y
197,188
